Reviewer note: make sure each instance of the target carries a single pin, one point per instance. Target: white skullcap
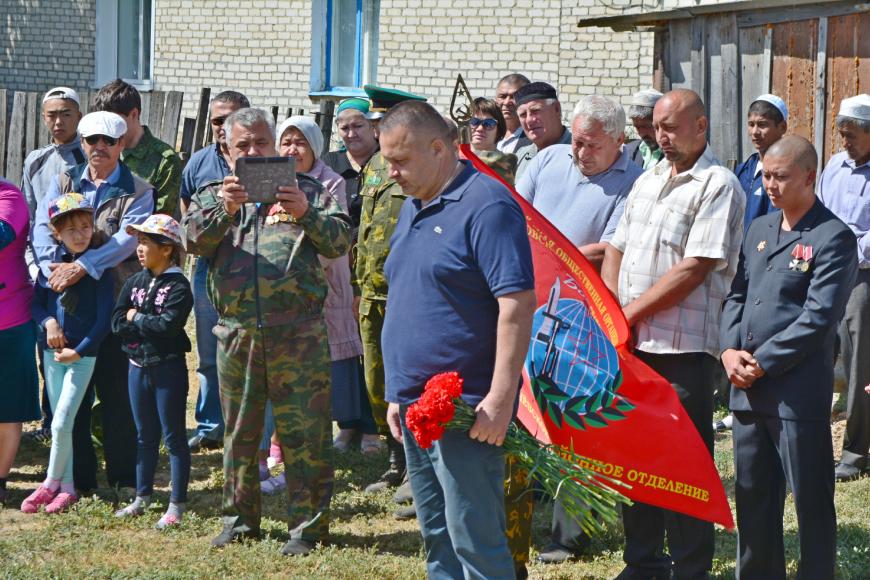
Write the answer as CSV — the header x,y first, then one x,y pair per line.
x,y
857,107
62,93
309,128
102,123
776,102
646,98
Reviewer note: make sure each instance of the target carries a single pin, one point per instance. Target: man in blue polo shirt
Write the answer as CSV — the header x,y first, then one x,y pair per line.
x,y
581,188
454,289
207,165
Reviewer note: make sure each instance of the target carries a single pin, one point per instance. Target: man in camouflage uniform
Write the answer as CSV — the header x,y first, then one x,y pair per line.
x,y
382,198
268,287
147,156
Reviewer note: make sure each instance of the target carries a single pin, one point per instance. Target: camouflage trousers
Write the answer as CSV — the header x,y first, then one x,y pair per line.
x,y
519,507
371,325
290,366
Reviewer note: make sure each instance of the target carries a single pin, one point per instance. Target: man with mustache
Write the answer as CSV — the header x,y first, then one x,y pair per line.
x,y
670,263
844,188
120,199
505,98
540,115
644,151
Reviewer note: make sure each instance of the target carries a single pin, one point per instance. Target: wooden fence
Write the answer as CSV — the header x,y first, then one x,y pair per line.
x,y
22,129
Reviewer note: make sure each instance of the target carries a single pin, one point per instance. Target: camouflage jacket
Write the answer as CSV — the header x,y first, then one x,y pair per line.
x,y
382,198
265,270
505,164
158,164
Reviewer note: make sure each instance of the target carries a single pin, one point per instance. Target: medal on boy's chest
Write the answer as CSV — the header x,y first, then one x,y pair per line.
x,y
761,245
801,258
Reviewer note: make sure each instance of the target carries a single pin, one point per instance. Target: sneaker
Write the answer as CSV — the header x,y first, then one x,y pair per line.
x,y
404,494
274,485
42,496
230,535
371,445
199,442
133,510
61,503
555,554
845,472
276,456
167,521
342,442
298,547
390,478
42,435
408,512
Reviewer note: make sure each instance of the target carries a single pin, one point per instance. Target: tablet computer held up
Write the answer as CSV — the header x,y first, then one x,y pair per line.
x,y
262,176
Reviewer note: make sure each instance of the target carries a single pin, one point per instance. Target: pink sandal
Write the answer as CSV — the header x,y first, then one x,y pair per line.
x,y
42,496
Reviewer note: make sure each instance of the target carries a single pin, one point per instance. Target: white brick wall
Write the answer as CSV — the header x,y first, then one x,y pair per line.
x,y
46,43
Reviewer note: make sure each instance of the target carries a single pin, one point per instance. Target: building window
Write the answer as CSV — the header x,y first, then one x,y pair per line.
x,y
125,32
345,44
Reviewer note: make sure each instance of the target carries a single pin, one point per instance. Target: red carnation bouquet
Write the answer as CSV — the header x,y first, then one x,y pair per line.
x,y
588,496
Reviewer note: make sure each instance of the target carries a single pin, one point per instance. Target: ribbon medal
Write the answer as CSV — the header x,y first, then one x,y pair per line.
x,y
802,255
761,245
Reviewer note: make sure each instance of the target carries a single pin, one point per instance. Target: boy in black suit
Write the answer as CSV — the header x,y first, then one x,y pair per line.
x,y
779,324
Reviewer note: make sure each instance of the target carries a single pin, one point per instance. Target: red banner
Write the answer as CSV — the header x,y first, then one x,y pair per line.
x,y
584,389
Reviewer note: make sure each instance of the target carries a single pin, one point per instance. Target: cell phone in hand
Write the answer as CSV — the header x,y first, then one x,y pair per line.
x,y
262,176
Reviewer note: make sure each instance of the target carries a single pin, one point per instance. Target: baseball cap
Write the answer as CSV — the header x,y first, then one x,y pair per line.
x,y
62,93
66,204
159,225
535,92
102,123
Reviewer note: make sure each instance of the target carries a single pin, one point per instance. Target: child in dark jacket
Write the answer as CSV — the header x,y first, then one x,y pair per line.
x,y
149,317
72,325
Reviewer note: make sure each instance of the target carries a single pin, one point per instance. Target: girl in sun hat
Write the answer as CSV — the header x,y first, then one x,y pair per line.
x,y
72,326
149,317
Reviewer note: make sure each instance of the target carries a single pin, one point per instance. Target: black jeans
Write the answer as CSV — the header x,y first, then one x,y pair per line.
x,y
690,540
109,382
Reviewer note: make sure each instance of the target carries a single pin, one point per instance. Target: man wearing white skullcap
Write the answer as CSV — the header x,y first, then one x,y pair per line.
x,y
766,122
644,151
845,189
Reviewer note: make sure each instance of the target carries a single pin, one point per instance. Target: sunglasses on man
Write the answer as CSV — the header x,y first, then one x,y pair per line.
x,y
487,123
94,139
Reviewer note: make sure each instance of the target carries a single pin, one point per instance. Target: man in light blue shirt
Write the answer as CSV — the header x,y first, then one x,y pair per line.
x,y
844,188
581,188
120,199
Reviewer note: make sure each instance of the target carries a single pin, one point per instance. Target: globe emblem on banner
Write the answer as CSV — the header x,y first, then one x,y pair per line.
x,y
572,366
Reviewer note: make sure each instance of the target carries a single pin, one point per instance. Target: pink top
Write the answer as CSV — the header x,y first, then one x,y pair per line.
x,y
16,290
341,324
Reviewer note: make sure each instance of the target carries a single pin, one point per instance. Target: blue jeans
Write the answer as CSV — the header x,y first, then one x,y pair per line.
x,y
209,420
65,386
458,487
158,395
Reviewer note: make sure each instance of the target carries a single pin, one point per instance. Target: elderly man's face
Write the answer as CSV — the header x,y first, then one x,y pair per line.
x,y
540,120
61,118
414,161
594,149
218,113
504,98
356,132
678,132
102,152
646,132
856,142
255,141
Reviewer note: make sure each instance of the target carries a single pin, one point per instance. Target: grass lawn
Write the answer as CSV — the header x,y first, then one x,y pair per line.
x,y
367,541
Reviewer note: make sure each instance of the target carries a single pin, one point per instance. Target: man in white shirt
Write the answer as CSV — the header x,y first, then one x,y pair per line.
x,y
671,262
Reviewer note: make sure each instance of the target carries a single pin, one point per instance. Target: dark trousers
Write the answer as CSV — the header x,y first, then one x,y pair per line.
x,y
158,396
690,540
45,403
855,349
566,532
119,431
768,452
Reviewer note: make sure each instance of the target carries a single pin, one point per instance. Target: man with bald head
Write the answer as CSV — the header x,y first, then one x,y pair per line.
x,y
454,288
779,324
670,263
